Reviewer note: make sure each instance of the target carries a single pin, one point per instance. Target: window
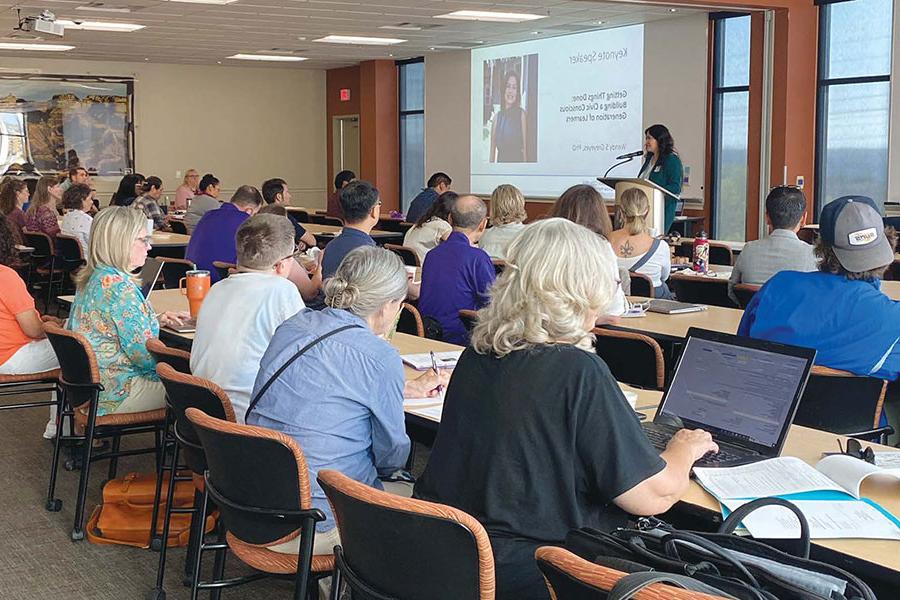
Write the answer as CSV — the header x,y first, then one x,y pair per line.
x,y
730,126
412,129
854,100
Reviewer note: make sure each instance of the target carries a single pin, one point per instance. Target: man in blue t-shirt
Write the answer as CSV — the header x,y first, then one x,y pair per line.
x,y
361,204
839,310
457,273
213,237
437,185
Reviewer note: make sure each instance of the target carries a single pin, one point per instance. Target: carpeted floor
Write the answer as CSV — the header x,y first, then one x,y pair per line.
x,y
37,558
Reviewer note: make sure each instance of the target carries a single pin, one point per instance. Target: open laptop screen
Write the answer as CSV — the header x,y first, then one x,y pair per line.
x,y
149,274
745,389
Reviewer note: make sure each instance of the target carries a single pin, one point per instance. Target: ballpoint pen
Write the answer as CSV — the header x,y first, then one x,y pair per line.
x,y
440,388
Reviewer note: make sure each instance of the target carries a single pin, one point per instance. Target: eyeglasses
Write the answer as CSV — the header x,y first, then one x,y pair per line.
x,y
145,240
855,449
281,260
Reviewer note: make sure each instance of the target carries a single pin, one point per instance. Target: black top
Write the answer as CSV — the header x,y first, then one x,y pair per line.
x,y
532,445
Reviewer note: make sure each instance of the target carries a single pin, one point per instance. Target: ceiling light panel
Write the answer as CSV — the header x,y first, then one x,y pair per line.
x,y
359,40
491,16
267,57
99,26
37,47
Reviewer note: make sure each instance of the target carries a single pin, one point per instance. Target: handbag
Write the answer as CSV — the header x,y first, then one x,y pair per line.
x,y
744,568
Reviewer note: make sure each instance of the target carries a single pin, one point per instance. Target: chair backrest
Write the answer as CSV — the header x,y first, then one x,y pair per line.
x,y
41,242
326,220
253,467
223,268
436,552
808,235
173,269
77,363
301,215
840,402
69,252
641,285
406,254
410,321
701,290
632,358
745,293
184,391
469,318
178,227
719,253
179,360
570,577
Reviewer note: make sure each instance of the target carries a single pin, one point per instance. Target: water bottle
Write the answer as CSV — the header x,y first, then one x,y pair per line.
x,y
701,253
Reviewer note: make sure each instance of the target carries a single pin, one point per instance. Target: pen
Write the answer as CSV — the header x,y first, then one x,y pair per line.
x,y
434,366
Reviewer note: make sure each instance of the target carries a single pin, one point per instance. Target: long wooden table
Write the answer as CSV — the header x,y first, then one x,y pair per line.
x,y
674,328
169,240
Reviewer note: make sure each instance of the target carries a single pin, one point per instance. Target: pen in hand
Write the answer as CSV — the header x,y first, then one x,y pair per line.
x,y
440,388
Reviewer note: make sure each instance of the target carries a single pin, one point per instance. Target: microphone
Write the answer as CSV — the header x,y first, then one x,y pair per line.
x,y
634,154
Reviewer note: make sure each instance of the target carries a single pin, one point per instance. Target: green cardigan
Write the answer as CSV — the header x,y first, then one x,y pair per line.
x,y
669,175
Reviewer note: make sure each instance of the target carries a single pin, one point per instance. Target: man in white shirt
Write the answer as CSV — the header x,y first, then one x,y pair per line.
x,y
240,313
782,250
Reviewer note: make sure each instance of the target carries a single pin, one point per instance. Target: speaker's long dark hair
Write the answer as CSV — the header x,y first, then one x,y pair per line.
x,y
663,138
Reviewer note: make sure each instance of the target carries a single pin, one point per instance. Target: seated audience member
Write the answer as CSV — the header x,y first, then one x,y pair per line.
x,y
636,250
13,196
361,205
112,313
839,310
306,275
41,213
507,216
582,204
437,185
432,228
240,314
206,200
782,250
213,237
130,187
24,348
187,189
77,222
342,400
275,191
536,438
334,198
76,175
457,274
148,202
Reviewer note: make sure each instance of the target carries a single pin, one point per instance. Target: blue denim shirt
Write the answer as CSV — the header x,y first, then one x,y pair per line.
x,y
342,401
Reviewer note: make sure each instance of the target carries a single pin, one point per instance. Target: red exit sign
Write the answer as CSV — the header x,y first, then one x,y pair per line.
x,y
345,94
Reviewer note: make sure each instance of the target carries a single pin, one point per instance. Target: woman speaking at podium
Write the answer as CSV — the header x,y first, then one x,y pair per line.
x,y
663,167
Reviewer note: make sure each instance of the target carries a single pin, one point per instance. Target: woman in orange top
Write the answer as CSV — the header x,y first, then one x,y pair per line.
x,y
23,346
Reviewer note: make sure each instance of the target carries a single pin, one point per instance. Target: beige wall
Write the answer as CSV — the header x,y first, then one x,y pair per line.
x,y
675,74
244,125
894,156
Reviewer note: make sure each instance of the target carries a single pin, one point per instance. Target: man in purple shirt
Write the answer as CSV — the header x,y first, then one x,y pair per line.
x,y
213,237
457,273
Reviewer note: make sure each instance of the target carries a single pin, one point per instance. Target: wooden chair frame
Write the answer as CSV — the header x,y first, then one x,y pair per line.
x,y
654,345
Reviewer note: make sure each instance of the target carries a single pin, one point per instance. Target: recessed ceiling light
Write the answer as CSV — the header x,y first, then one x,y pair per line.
x,y
271,57
99,25
205,1
601,22
673,10
39,47
361,40
535,33
488,15
406,27
104,9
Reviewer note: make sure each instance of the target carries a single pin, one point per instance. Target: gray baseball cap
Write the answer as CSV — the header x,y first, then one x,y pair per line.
x,y
854,229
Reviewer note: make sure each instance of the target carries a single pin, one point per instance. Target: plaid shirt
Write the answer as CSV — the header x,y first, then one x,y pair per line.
x,y
151,210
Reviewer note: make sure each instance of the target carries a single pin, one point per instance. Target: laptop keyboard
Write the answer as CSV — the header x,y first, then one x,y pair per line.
x,y
660,437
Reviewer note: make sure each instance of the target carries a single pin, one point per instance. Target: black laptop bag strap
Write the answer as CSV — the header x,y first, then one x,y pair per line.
x,y
288,363
629,585
735,518
645,258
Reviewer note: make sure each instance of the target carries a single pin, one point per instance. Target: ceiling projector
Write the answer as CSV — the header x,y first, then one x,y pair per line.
x,y
42,23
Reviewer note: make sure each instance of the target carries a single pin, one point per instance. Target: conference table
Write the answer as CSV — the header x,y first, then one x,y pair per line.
x,y
170,245
326,233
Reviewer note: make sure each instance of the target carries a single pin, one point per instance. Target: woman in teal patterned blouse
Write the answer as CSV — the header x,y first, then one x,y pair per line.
x,y
111,312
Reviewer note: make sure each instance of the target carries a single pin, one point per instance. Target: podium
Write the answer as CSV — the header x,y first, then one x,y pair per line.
x,y
655,194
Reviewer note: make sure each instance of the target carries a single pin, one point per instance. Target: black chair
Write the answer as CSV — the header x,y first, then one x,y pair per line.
x,y
28,384
469,319
180,360
69,258
173,269
184,391
410,321
80,389
701,290
641,285
745,293
409,256
808,235
719,252
436,552
300,215
259,480
178,227
42,261
326,220
632,358
223,268
840,402
389,224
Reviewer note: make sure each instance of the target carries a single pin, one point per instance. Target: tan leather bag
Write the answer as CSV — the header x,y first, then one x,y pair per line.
x,y
125,515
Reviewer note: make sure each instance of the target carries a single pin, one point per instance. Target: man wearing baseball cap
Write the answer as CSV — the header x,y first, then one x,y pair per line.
x,y
839,310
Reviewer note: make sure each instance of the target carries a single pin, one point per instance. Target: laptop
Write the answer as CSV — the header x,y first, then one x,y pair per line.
x,y
673,307
743,391
149,274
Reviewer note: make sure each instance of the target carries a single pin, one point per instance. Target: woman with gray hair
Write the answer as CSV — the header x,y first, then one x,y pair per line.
x,y
536,438
332,382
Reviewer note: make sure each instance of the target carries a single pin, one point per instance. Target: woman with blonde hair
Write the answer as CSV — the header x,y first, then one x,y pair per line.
x,y
636,250
112,313
533,414
44,207
187,189
507,216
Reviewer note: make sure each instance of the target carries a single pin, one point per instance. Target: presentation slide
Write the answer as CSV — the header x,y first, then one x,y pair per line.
x,y
552,113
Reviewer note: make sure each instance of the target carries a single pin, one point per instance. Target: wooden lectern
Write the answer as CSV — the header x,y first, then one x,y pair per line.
x,y
655,194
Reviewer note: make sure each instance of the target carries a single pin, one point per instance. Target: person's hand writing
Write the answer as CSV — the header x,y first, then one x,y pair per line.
x,y
694,443
426,385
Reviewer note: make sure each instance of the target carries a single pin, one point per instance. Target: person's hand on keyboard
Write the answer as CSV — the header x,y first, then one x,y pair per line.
x,y
694,443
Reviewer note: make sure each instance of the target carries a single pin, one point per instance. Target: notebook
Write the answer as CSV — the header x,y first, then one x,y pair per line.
x,y
743,391
673,307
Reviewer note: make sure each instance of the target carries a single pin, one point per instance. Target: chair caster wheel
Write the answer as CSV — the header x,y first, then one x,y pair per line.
x,y
54,505
77,536
156,545
156,594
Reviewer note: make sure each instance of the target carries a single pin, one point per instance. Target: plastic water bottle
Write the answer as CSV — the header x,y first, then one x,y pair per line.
x,y
701,253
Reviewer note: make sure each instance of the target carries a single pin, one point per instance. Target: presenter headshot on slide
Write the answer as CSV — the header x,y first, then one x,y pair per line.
x,y
508,131
663,167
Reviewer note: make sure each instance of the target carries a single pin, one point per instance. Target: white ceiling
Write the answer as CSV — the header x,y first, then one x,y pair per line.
x,y
205,34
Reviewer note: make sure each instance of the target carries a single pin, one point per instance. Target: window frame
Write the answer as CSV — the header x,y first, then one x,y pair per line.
x,y
405,113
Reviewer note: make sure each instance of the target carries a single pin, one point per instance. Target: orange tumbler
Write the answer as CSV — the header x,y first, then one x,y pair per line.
x,y
195,285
